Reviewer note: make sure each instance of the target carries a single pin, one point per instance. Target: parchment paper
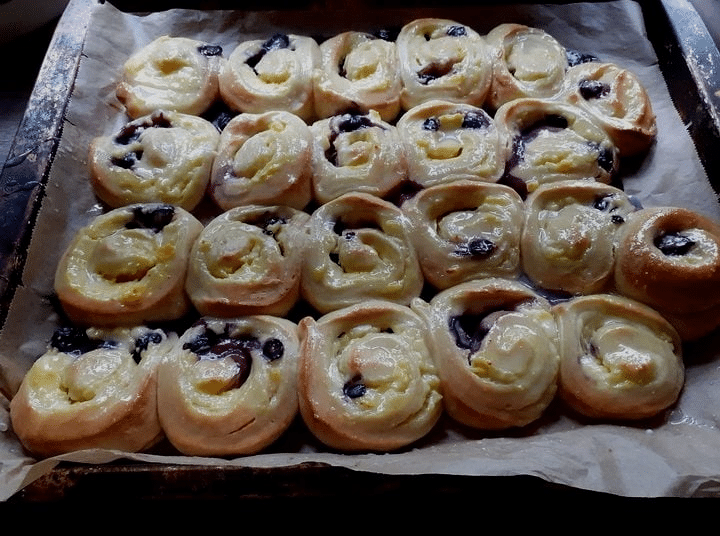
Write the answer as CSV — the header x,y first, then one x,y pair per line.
x,y
675,456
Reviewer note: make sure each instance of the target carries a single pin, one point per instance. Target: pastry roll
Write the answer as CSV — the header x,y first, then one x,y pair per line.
x,y
247,261
527,62
170,73
495,343
617,100
92,388
619,359
441,139
275,74
163,157
358,248
442,59
229,387
570,235
263,159
128,266
358,72
367,380
464,230
356,152
552,141
669,259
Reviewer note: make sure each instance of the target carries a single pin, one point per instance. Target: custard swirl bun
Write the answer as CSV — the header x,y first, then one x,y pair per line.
x,y
619,358
128,266
465,229
367,380
495,343
170,73
92,388
229,387
358,248
275,74
248,261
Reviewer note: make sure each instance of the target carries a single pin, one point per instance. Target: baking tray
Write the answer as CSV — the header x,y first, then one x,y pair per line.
x,y
689,60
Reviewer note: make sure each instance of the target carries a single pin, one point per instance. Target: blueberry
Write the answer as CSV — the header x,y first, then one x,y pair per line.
x,y
210,50
432,124
674,244
273,349
475,120
143,342
154,218
354,388
593,89
478,248
275,42
456,31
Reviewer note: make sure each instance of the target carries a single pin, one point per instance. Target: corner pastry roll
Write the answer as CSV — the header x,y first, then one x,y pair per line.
x,y
617,100
357,72
248,261
526,62
92,388
495,343
619,358
229,387
356,152
464,230
367,380
551,141
570,235
271,75
669,259
163,157
441,139
171,73
442,59
358,248
263,159
128,266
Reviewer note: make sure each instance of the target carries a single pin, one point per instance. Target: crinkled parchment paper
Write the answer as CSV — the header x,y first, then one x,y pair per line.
x,y
676,456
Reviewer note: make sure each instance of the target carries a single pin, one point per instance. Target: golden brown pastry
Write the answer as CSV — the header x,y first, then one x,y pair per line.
x,y
263,159
229,387
495,343
442,59
465,229
92,388
527,62
275,74
669,259
367,380
442,139
170,73
617,100
358,72
570,235
358,248
356,152
128,266
619,358
164,157
247,261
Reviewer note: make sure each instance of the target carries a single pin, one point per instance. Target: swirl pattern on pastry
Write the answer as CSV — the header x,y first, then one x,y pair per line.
x,y
570,235
617,100
442,59
465,229
248,261
441,139
128,266
170,73
275,74
552,141
619,359
92,388
356,152
527,62
230,386
358,72
263,159
495,343
163,157
358,248
367,380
